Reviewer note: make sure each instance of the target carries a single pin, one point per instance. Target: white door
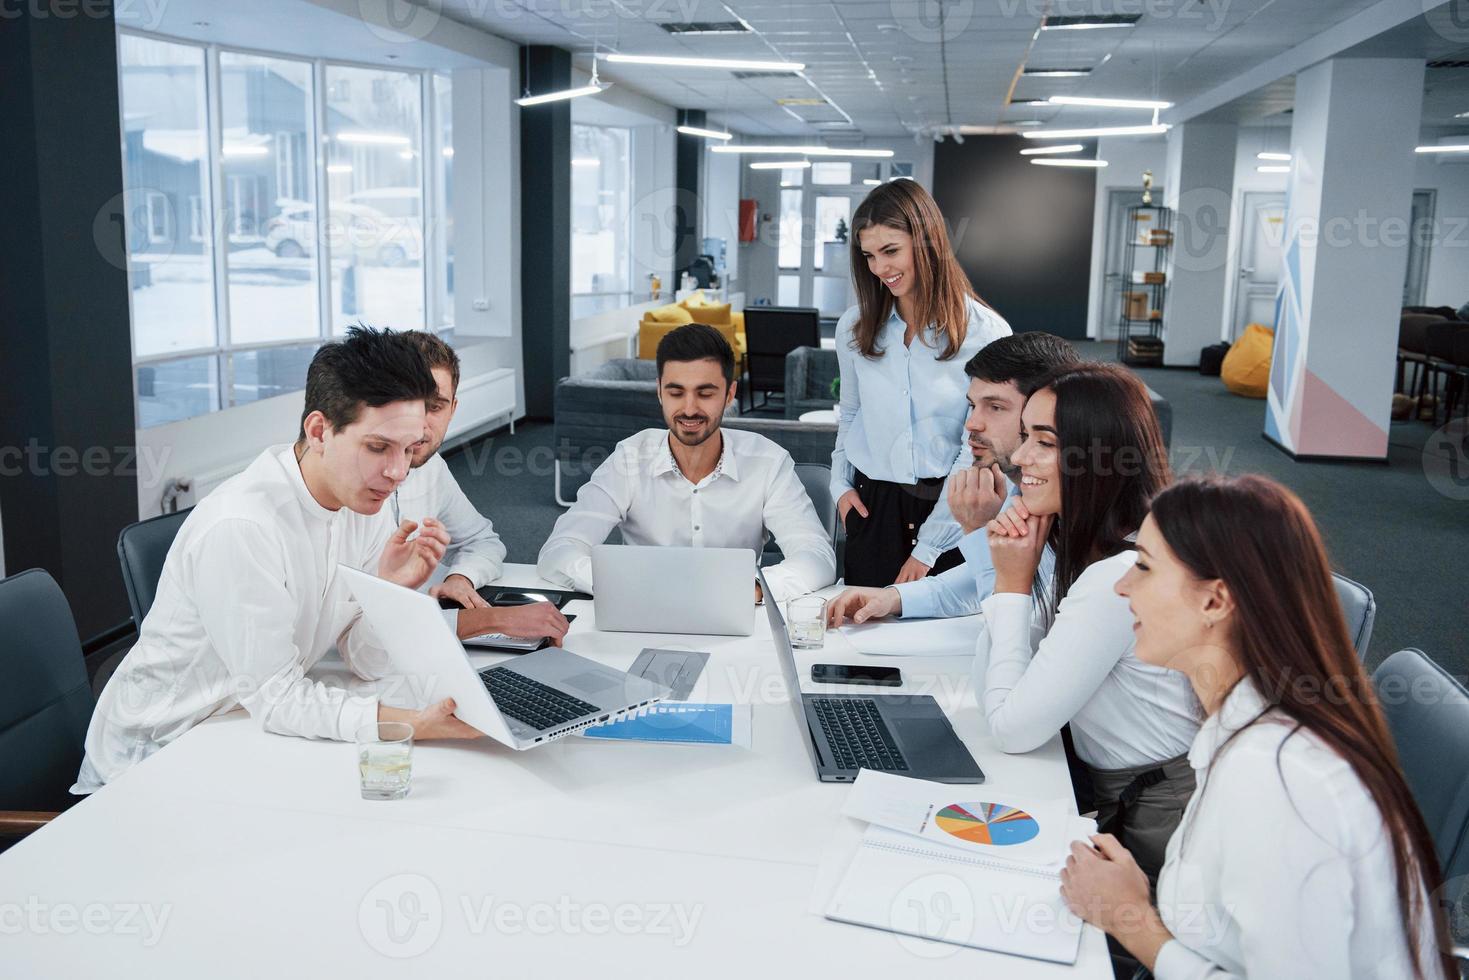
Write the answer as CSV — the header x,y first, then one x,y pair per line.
x,y
1261,242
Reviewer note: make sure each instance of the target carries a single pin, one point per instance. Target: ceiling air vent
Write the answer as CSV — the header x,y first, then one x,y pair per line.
x,y
707,27
1448,63
782,73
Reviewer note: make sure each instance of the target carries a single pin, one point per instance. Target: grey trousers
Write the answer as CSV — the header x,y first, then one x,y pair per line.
x,y
1142,806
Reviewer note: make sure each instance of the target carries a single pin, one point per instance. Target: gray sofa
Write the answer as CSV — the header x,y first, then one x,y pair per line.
x,y
809,374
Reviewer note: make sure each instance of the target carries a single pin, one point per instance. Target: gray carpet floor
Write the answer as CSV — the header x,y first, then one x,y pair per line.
x,y
1386,525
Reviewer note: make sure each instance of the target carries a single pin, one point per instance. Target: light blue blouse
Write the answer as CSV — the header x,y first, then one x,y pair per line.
x,y
901,416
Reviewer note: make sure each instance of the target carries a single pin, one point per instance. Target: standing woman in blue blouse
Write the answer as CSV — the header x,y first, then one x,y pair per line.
x,y
902,351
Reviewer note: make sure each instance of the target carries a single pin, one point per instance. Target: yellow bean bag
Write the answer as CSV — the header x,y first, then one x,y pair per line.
x,y
1246,368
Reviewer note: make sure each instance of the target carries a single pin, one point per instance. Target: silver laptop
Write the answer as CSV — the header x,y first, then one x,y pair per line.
x,y
639,589
541,697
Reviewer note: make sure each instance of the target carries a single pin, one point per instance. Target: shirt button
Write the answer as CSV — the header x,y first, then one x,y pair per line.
x,y
696,527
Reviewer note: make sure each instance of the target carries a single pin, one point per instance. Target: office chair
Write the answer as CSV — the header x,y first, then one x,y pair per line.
x,y
1428,714
1360,610
45,703
142,548
772,332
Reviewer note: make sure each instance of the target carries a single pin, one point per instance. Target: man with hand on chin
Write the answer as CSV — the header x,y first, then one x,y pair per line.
x,y
476,556
249,599
1001,377
695,484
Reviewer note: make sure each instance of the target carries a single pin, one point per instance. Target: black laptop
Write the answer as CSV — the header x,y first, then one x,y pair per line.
x,y
907,734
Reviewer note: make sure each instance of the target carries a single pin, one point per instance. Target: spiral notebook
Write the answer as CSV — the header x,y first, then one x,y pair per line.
x,y
908,885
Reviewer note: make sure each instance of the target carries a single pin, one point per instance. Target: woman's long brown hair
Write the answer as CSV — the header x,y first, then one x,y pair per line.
x,y
940,289
1257,537
1112,463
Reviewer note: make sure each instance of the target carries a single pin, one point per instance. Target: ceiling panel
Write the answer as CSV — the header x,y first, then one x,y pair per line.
x,y
894,67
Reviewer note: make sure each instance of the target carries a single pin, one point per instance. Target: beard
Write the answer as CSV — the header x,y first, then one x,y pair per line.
x,y
697,438
994,456
425,454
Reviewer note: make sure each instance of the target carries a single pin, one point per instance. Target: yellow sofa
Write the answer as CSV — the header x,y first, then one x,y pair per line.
x,y
695,309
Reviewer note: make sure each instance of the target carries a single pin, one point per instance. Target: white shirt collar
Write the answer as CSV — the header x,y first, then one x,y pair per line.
x,y
664,462
287,458
1242,706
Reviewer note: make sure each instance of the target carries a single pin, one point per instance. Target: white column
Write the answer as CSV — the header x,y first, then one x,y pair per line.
x,y
1355,124
1198,187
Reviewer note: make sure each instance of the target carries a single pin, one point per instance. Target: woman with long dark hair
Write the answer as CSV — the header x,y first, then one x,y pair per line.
x,y
1091,458
902,351
1302,854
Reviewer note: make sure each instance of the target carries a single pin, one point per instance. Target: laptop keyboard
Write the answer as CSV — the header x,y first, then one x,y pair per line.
x,y
857,734
531,702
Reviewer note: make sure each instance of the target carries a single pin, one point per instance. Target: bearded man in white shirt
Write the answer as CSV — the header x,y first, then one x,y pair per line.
x,y
476,556
695,483
249,599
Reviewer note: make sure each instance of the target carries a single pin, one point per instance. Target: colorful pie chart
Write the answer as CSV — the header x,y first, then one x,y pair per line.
x,y
987,823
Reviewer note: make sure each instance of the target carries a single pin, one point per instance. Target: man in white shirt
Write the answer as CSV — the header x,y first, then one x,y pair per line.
x,y
249,599
1001,377
476,555
695,483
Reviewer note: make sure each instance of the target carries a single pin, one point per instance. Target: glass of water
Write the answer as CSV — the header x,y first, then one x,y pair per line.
x,y
385,759
806,622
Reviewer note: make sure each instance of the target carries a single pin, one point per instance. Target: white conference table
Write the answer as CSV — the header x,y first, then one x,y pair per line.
x,y
234,853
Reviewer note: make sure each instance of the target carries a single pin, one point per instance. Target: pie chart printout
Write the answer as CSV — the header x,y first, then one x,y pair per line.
x,y
987,823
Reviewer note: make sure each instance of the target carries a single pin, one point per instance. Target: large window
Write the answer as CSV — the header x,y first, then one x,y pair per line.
x,y
374,182
236,278
601,201
265,111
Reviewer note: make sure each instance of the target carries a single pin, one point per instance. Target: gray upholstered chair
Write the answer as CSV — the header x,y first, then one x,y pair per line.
x,y
807,442
45,702
1360,610
816,478
809,374
1427,712
1164,411
142,549
597,410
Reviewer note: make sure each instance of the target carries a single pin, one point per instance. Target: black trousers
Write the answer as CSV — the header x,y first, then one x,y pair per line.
x,y
879,544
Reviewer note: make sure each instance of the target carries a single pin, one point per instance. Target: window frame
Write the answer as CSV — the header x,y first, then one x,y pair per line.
x,y
218,223
631,291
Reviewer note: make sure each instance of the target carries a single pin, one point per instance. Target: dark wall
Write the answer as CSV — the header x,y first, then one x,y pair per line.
x,y
68,477
1022,232
545,228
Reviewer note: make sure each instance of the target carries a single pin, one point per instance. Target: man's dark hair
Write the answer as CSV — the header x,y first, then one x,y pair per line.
x,y
367,367
1024,358
696,342
436,352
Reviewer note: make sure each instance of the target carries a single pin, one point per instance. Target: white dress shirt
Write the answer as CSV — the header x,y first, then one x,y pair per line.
x,y
901,416
753,489
475,550
1282,866
1083,671
247,603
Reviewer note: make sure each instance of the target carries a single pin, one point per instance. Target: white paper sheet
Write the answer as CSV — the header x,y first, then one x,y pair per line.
x,y
955,816
915,638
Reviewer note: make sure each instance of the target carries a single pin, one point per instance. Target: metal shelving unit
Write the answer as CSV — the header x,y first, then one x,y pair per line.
x,y
1149,236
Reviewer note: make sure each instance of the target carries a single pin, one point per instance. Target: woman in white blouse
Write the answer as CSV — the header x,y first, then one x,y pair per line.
x,y
902,350
1057,654
1302,854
